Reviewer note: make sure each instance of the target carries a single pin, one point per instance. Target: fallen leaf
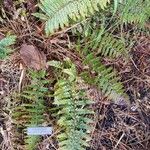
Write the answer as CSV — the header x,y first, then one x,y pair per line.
x,y
32,57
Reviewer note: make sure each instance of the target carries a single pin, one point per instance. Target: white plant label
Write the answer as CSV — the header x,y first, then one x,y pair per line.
x,y
39,130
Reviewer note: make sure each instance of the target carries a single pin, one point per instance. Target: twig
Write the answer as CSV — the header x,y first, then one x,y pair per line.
x,y
134,64
119,140
21,77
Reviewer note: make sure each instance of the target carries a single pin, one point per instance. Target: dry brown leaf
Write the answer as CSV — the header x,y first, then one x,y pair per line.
x,y
32,57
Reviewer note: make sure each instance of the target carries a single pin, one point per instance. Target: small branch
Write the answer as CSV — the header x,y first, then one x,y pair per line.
x,y
119,140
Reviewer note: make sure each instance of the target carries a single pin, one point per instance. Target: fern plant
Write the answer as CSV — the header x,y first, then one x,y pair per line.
x,y
92,48
29,112
58,13
73,114
4,45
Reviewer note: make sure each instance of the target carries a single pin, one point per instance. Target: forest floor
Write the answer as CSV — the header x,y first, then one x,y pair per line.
x,y
116,126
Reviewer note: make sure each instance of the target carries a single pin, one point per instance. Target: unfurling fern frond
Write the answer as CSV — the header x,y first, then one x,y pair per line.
x,y
4,45
59,12
135,11
73,113
104,78
29,113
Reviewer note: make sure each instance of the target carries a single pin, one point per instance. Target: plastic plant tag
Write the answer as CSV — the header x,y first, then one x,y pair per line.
x,y
39,130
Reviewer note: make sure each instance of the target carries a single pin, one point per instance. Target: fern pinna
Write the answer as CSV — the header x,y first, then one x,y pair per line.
x,y
58,13
73,113
30,109
4,45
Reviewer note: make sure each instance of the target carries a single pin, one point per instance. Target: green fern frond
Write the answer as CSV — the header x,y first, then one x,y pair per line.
x,y
4,46
72,117
60,12
73,114
104,78
29,113
134,11
105,44
110,46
